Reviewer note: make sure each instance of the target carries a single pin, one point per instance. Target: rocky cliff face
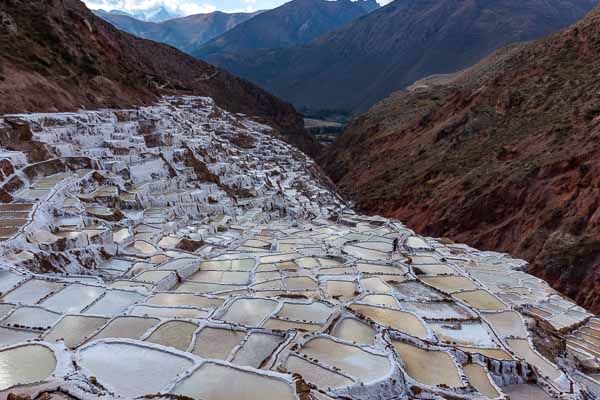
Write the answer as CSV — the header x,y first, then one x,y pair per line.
x,y
503,156
55,55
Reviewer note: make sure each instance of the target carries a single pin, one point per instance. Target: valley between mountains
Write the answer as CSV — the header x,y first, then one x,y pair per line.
x,y
170,230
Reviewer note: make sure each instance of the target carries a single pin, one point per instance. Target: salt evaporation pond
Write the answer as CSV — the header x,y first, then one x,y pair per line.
x,y
219,382
25,364
137,370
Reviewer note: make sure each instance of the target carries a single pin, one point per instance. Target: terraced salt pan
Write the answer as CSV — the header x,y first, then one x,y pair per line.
x,y
32,291
10,336
437,310
8,280
450,284
399,320
380,269
74,329
176,334
31,317
222,277
257,349
126,328
479,378
312,312
216,343
414,290
353,330
481,300
524,350
73,298
464,333
316,374
138,370
114,302
495,353
380,300
283,325
167,312
354,361
301,283
375,285
205,288
525,392
363,253
341,290
25,364
428,367
245,264
214,381
250,312
184,299
507,324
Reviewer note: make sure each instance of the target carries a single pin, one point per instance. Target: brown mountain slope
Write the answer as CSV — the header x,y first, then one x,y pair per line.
x,y
57,55
504,156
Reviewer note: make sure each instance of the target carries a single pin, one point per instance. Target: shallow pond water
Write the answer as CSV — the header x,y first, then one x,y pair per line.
x,y
402,321
32,317
138,370
428,367
507,323
353,330
126,327
218,382
525,392
524,350
74,329
14,336
249,312
464,333
366,366
479,378
481,300
316,374
32,291
177,334
216,343
312,312
114,302
341,290
450,284
184,299
73,298
257,349
25,364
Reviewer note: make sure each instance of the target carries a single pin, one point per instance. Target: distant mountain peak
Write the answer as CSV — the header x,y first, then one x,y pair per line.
x,y
153,14
293,23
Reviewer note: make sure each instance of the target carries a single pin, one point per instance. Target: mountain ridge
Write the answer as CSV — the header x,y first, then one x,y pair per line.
x,y
350,69
295,22
184,33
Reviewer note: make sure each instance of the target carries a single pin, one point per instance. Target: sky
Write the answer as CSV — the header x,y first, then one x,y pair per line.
x,y
187,7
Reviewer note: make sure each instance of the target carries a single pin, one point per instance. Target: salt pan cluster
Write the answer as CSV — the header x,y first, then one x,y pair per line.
x,y
183,250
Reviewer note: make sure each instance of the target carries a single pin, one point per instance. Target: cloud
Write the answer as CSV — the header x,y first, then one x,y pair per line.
x,y
183,7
